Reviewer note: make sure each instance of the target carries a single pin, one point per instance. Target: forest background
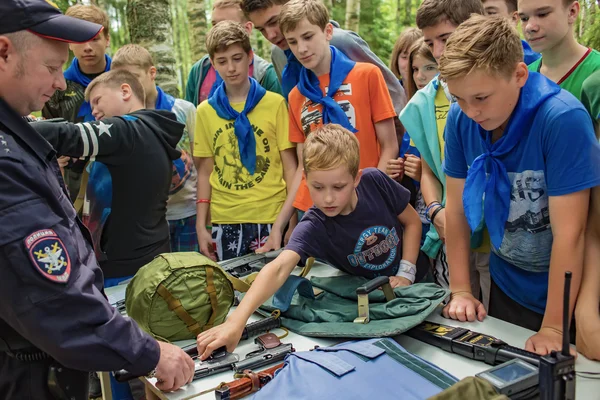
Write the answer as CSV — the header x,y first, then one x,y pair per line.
x,y
175,30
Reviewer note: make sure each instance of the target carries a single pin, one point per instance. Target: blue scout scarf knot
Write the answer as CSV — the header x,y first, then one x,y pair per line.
x,y
242,127
164,101
73,73
291,73
309,87
489,193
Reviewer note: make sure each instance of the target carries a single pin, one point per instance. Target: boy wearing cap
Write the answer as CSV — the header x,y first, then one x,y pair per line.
x,y
52,309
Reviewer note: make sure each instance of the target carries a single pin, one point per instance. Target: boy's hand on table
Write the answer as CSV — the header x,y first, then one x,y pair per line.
x,y
272,243
395,168
546,340
227,334
398,281
464,307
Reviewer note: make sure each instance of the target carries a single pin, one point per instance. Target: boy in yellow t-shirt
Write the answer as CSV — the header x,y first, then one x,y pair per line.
x,y
242,151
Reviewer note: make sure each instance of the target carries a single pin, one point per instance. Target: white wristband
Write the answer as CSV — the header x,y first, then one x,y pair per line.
x,y
407,270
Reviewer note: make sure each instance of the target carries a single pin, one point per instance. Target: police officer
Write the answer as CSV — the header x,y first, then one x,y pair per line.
x,y
55,322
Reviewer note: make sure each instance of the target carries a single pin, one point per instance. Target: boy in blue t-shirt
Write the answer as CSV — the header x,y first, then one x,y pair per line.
x,y
521,157
361,223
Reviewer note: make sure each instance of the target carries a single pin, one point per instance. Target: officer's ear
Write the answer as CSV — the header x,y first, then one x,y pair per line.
x,y
6,51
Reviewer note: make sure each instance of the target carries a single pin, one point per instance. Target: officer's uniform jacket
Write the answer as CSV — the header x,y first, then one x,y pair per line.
x,y
51,288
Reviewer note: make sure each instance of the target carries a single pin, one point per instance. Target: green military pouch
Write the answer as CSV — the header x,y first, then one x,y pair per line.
x,y
178,295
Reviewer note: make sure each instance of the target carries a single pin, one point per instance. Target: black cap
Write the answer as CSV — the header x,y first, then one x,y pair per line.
x,y
43,18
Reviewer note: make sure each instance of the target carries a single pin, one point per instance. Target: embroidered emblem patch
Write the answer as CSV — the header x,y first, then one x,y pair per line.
x,y
49,255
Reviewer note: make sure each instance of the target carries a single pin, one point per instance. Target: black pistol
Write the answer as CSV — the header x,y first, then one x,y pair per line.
x,y
270,351
220,360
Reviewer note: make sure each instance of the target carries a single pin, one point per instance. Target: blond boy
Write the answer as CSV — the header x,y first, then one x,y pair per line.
x,y
514,155
345,197
243,155
203,78
332,89
181,207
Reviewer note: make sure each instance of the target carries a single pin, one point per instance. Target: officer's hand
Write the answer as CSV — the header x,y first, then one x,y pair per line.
x,y
546,340
398,281
227,334
272,243
588,334
206,243
395,168
174,369
412,167
464,307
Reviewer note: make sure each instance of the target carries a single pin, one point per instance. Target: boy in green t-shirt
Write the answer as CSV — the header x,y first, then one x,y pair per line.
x,y
590,97
548,28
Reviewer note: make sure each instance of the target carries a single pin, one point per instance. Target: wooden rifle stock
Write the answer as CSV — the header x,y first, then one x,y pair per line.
x,y
249,383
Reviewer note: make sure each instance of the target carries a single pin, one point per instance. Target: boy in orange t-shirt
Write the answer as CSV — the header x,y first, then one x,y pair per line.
x,y
332,89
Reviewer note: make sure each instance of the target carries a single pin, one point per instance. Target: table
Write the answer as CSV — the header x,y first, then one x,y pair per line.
x,y
458,366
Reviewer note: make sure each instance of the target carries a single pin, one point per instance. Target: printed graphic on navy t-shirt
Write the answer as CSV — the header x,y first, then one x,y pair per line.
x,y
368,241
375,249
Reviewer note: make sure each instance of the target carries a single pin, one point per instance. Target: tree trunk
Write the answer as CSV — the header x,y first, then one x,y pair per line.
x,y
150,26
196,10
352,15
329,5
408,19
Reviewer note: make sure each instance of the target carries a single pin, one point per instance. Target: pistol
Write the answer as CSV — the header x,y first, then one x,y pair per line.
x,y
270,351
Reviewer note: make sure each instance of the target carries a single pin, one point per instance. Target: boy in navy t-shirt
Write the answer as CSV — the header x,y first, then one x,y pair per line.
x,y
521,156
361,223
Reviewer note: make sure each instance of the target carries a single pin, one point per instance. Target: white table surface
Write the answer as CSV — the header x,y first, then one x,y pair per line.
x,y
459,366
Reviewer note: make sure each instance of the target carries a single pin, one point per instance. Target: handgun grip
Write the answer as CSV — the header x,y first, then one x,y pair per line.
x,y
373,284
257,327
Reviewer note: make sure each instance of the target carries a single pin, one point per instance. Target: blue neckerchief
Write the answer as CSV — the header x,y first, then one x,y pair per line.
x,y
242,127
491,188
291,73
309,87
164,101
73,73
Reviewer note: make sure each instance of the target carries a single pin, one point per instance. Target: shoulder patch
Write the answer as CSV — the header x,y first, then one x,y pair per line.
x,y
49,255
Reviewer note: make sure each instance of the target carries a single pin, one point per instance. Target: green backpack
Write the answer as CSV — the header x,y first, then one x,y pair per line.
x,y
178,295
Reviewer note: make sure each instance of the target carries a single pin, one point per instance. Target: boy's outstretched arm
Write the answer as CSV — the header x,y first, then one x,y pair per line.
x,y
568,217
268,281
204,166
388,142
587,315
287,210
463,306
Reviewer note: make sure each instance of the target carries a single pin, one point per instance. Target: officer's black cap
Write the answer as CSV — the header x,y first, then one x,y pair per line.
x,y
43,18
